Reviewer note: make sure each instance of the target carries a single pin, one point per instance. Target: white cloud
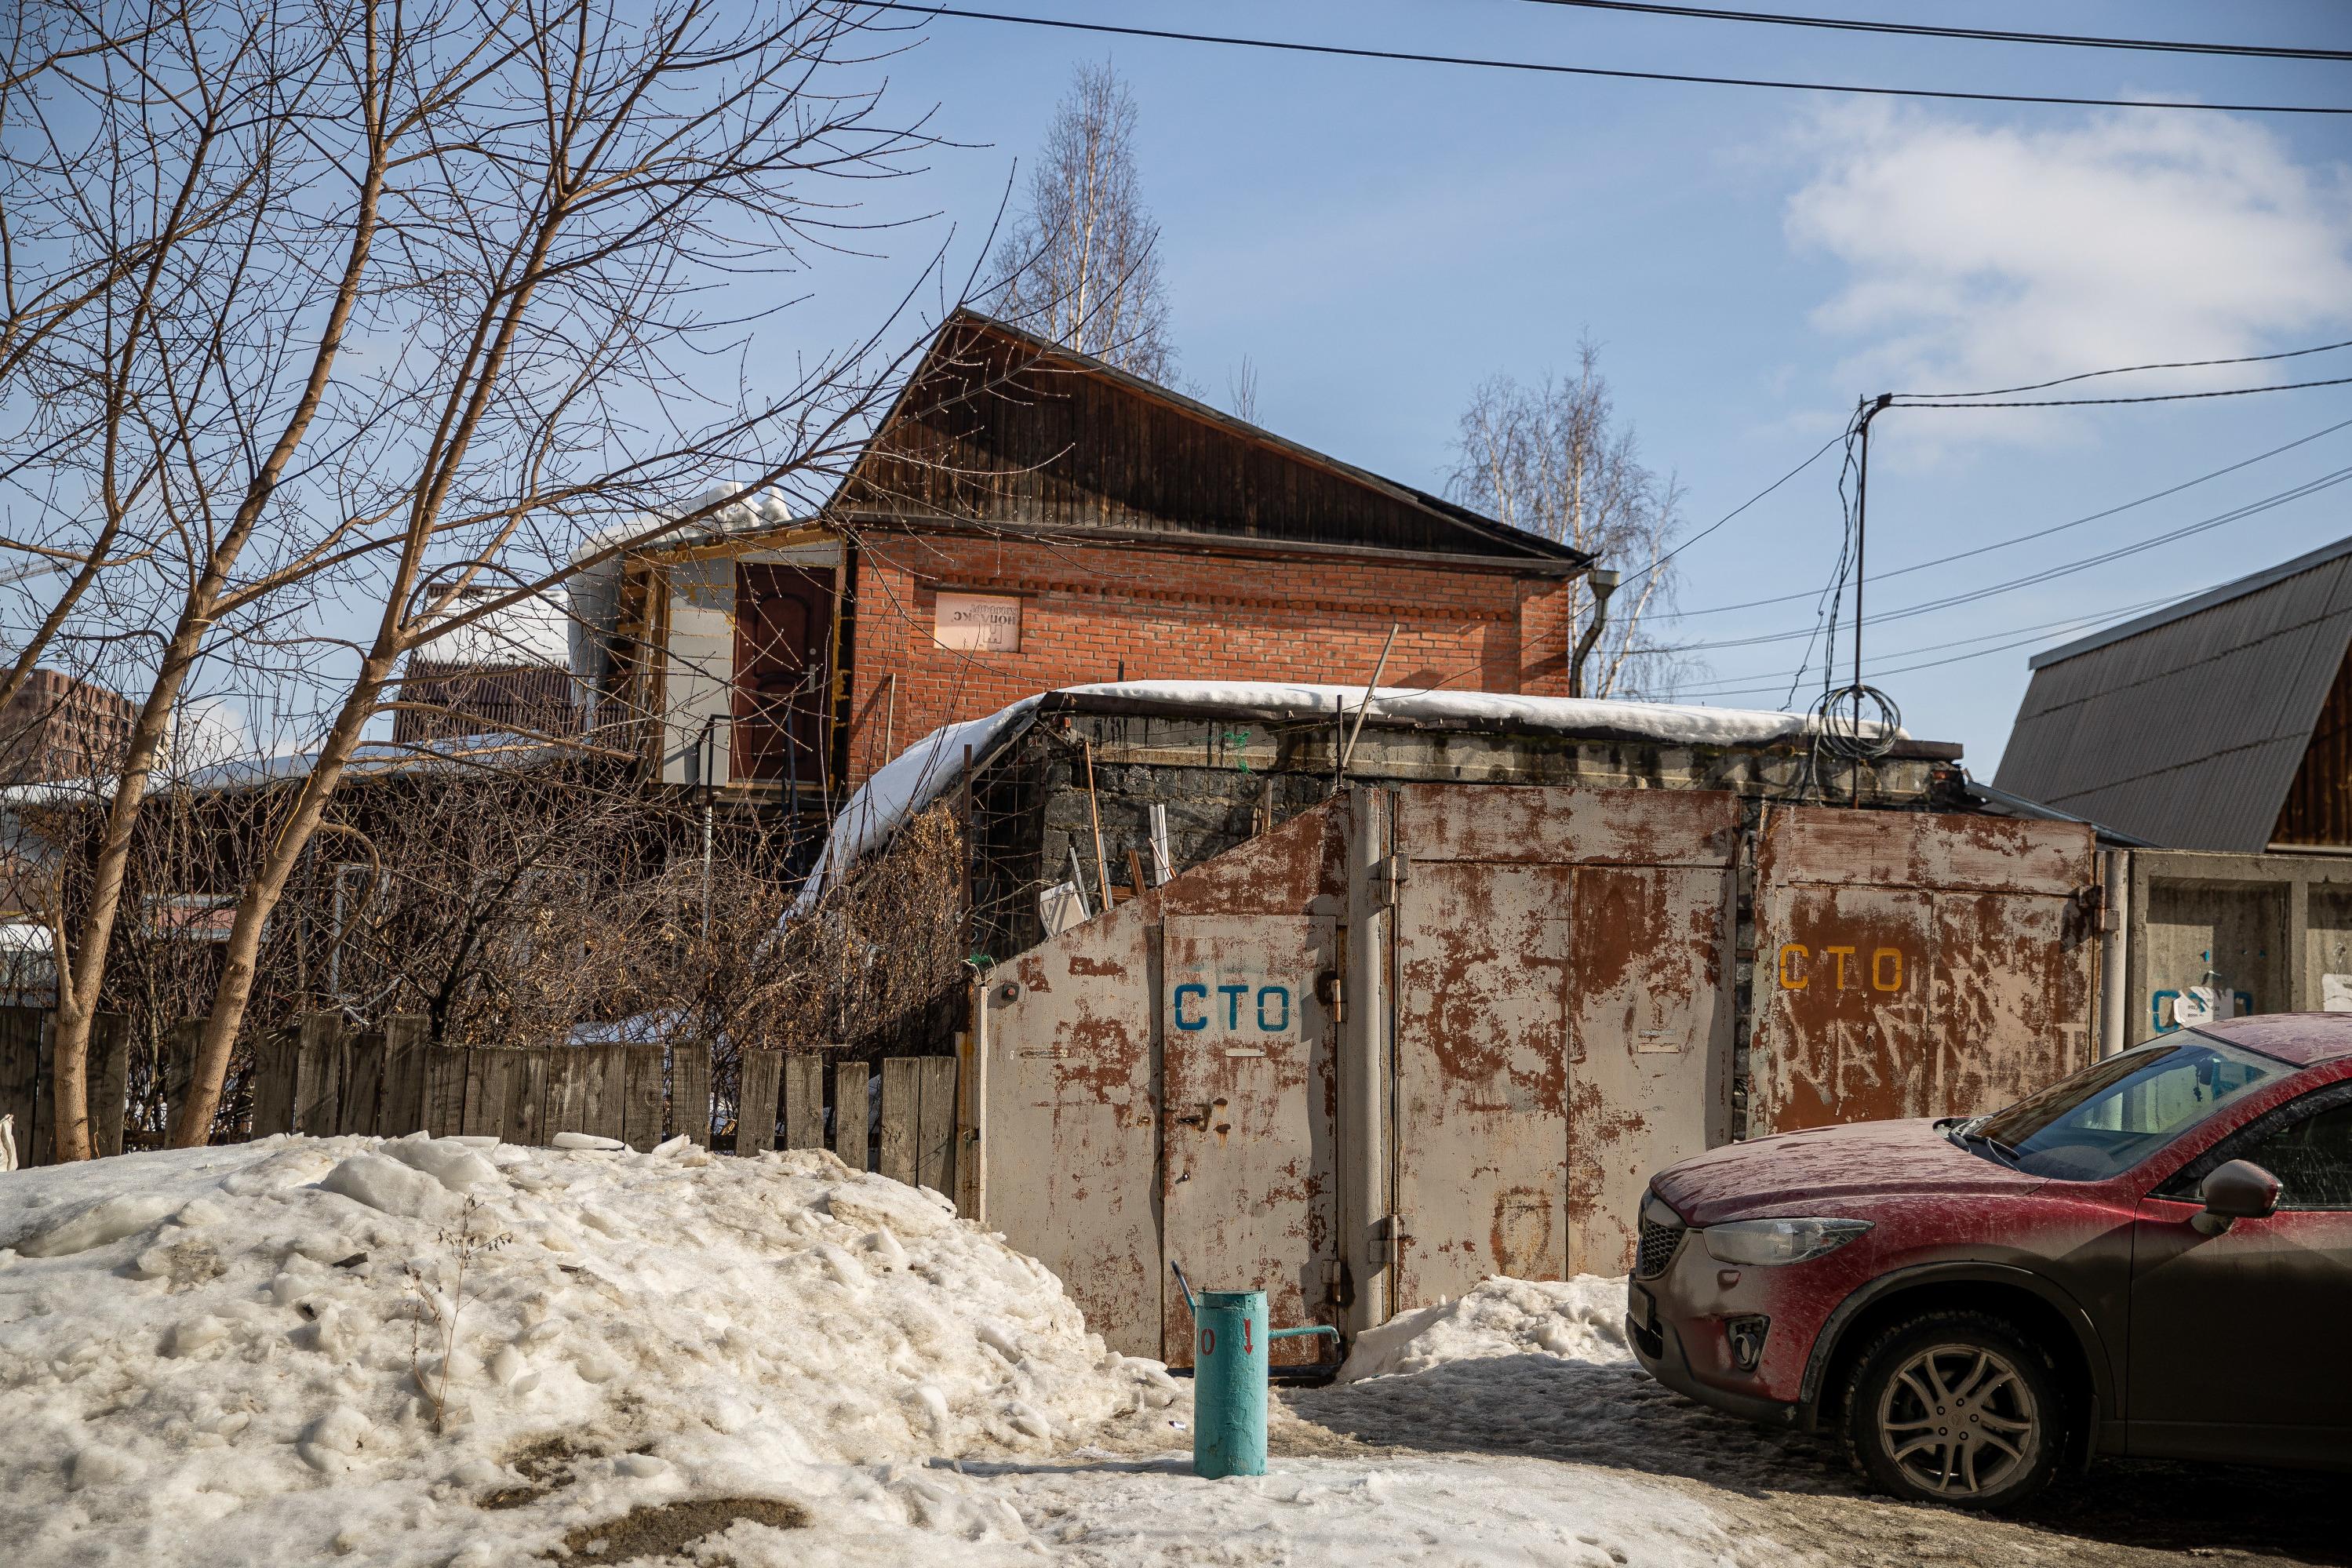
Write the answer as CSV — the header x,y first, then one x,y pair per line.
x,y
1985,257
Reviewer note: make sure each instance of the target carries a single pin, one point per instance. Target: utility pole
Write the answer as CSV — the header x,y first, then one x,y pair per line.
x,y
1869,409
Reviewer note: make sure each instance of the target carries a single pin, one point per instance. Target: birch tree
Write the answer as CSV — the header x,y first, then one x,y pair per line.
x,y
483,292
1081,264
1555,459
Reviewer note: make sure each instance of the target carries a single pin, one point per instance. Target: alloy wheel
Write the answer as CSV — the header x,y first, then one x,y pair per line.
x,y
1956,1419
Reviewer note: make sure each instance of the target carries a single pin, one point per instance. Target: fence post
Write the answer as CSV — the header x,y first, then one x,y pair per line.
x,y
363,1082
759,1077
180,1062
526,1095
935,1124
849,1112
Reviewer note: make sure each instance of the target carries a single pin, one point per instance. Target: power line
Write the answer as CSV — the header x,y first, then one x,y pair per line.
x,y
2152,397
1768,680
2131,370
2238,514
2020,538
1808,462
1979,35
1543,67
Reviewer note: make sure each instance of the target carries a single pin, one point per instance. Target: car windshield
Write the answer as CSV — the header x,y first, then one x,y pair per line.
x,y
2107,1117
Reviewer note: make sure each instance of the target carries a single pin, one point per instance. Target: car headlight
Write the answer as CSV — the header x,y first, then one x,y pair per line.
x,y
1763,1241
1655,1210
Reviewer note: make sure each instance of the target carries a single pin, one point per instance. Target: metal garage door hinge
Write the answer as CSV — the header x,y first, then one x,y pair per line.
x,y
1389,877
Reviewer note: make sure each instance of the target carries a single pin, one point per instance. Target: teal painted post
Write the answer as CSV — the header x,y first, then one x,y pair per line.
x,y
1229,1383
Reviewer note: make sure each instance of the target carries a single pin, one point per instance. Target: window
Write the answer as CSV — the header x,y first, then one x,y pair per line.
x,y
2306,1144
2108,1117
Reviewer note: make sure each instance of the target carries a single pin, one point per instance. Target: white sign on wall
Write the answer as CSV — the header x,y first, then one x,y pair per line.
x,y
982,622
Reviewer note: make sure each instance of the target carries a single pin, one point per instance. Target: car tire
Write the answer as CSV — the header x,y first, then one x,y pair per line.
x,y
1926,1388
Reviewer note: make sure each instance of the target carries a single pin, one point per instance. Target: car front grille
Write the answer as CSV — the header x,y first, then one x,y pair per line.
x,y
1655,1248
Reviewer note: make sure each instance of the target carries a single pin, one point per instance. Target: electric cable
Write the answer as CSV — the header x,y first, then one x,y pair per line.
x,y
1903,402
1973,35
1410,56
2018,539
2131,370
2238,514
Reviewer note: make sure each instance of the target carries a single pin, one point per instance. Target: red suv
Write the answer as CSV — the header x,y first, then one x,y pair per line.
x,y
2153,1258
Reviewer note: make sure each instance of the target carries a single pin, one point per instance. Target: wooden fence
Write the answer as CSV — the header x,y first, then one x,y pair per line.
x,y
322,1079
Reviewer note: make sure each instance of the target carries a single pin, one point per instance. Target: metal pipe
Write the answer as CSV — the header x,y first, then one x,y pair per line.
x,y
1604,585
2114,951
1363,1076
1379,666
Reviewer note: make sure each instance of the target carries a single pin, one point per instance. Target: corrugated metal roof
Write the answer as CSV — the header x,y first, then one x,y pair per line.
x,y
2186,727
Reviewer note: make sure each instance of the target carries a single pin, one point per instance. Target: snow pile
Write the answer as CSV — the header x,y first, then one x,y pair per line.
x,y
1581,1319
234,1356
921,773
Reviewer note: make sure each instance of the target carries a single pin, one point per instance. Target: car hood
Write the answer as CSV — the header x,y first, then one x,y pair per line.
x,y
1799,1172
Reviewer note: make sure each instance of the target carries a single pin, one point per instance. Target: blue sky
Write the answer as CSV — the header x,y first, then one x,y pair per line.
x,y
1378,237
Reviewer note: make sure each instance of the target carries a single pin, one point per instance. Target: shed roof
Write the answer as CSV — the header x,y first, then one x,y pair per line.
x,y
2186,727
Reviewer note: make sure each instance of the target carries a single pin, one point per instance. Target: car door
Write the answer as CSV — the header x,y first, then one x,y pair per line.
x,y
2236,1350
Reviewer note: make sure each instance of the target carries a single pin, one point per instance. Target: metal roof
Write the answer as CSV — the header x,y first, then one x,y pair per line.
x,y
2186,727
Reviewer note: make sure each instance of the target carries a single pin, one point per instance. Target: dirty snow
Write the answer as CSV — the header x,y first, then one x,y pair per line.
x,y
229,1356
918,775
1581,1319
216,1355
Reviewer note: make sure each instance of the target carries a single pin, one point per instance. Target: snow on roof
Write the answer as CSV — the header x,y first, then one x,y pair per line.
x,y
918,775
533,632
447,753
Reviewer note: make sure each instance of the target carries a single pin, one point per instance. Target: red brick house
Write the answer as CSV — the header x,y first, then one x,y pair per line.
x,y
1027,517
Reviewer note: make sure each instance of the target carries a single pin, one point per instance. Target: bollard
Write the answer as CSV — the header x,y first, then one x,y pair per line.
x,y
1229,1378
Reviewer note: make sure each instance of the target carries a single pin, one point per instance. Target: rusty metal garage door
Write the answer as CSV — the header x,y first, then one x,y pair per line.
x,y
1246,1172
1915,965
1563,1021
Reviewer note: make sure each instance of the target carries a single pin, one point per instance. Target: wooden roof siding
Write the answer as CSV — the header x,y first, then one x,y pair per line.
x,y
1001,429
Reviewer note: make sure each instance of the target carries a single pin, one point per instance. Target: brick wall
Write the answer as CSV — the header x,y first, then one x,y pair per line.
x,y
61,727
1180,614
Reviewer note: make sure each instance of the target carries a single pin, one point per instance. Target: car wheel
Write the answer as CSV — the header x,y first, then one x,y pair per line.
x,y
1956,1407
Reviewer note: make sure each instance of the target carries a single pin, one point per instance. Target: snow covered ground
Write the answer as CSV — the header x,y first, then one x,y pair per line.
x,y
240,1355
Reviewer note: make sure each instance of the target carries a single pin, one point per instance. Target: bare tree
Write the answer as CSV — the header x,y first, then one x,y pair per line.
x,y
1554,460
454,325
1081,265
1241,387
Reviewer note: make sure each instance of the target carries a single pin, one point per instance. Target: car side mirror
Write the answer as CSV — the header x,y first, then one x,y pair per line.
x,y
2238,1190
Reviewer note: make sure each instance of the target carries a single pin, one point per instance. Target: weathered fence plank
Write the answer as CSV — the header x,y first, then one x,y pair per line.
x,y
446,1071
935,1124
607,1091
902,1101
689,1090
318,1074
641,1120
565,1109
20,1072
406,1047
110,1080
761,1076
488,1070
363,1083
804,1100
849,1113
180,1062
274,1056
526,1096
